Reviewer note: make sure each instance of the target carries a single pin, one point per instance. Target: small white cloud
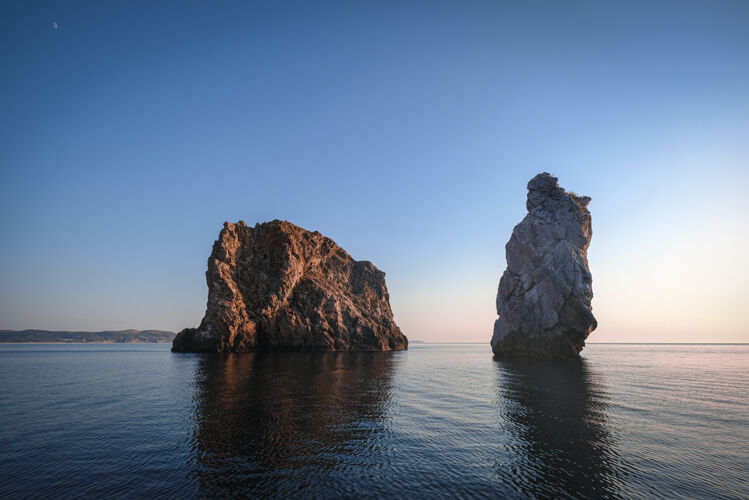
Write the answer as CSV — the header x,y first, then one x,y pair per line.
x,y
55,25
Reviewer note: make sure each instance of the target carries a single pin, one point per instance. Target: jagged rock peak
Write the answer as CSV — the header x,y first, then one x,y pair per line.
x,y
544,296
276,286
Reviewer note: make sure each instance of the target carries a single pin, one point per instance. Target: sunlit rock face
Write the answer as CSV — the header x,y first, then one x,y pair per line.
x,y
544,296
278,287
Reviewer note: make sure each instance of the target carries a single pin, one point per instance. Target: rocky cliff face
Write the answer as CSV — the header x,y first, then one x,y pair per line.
x,y
544,296
279,287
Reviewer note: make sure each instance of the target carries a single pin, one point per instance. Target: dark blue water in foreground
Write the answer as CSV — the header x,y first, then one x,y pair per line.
x,y
438,420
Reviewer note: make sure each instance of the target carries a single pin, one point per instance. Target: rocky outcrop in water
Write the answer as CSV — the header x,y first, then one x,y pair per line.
x,y
544,296
278,287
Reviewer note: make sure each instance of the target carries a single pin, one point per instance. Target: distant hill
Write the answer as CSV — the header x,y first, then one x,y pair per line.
x,y
416,342
109,336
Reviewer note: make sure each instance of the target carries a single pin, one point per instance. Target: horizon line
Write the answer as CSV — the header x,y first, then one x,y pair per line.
x,y
605,343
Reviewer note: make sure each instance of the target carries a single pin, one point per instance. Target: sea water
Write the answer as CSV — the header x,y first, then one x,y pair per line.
x,y
135,420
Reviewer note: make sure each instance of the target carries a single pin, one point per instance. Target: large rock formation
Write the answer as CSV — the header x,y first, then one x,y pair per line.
x,y
544,295
278,287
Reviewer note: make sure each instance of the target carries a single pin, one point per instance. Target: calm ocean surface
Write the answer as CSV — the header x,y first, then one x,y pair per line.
x,y
438,421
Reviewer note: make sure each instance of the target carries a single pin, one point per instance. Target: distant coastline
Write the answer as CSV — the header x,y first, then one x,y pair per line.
x,y
75,337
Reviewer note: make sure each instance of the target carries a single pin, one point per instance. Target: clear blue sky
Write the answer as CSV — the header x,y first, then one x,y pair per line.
x,y
406,131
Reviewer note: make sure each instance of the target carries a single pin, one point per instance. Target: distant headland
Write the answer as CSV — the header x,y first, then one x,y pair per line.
x,y
71,337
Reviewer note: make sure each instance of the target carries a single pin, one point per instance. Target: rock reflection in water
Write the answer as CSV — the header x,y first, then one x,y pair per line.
x,y
558,440
290,423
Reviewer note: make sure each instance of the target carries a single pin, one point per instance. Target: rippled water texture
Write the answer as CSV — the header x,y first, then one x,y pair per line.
x,y
437,420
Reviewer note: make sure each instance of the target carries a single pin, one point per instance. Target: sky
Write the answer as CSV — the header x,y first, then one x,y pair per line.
x,y
406,131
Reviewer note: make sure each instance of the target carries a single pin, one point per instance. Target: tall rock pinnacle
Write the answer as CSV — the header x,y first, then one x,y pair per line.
x,y
544,296
278,287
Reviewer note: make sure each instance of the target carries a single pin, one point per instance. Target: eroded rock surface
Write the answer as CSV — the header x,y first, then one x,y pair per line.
x,y
276,287
544,296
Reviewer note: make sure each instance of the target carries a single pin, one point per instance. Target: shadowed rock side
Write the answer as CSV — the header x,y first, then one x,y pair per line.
x,y
278,287
544,296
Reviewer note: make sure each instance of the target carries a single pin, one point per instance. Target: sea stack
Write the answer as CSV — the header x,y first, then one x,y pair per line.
x,y
544,296
278,287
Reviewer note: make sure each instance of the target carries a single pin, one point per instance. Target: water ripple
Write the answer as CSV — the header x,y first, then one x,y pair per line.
x,y
436,421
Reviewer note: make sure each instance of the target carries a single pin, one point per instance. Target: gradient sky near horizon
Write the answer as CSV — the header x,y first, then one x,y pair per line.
x,y
406,131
